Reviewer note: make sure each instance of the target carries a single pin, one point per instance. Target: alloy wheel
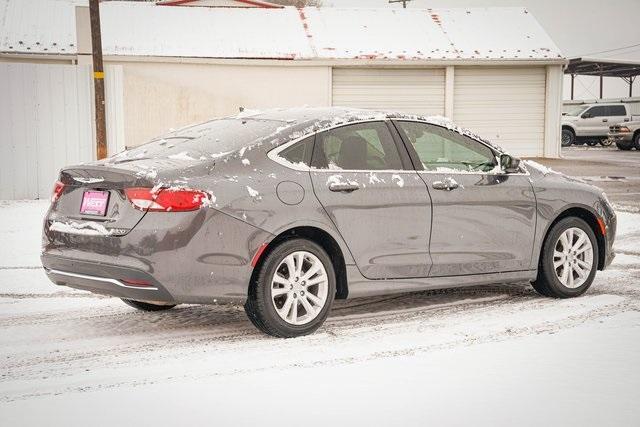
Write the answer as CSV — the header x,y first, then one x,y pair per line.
x,y
299,288
573,257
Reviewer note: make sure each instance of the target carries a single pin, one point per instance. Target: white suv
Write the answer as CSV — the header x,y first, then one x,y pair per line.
x,y
590,122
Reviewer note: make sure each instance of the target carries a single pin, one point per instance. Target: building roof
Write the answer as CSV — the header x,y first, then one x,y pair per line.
x,y
140,29
604,67
220,3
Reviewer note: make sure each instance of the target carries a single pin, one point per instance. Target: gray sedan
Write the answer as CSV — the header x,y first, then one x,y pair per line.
x,y
286,210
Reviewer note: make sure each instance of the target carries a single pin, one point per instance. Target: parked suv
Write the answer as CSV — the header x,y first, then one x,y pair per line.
x,y
590,123
626,135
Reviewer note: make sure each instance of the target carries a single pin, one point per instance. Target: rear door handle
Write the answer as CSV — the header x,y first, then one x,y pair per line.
x,y
447,184
605,120
344,187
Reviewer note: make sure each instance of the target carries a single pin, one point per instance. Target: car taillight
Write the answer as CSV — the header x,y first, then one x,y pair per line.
x,y
58,187
166,200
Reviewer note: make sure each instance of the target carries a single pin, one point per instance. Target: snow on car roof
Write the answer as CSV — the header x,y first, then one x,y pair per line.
x,y
145,29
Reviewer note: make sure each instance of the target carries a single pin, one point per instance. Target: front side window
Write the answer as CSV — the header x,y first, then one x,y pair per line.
x,y
362,146
599,111
443,150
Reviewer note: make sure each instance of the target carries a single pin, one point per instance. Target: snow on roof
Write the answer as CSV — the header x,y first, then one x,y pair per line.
x,y
46,27
144,29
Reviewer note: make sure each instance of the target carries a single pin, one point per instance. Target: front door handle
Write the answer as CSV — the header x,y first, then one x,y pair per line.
x,y
447,184
605,120
344,187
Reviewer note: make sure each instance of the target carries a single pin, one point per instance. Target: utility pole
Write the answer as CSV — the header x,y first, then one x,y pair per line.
x,y
404,2
98,79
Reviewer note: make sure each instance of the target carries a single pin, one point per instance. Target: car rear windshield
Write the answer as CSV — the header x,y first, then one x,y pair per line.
x,y
211,139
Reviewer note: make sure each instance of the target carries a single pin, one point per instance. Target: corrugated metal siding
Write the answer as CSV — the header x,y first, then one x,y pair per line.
x,y
417,91
505,105
46,118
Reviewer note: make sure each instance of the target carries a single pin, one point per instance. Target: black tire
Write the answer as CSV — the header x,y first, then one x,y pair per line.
x,y
624,146
568,137
147,306
547,282
636,141
259,305
606,142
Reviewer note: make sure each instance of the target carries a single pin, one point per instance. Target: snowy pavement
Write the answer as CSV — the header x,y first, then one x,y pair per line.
x,y
493,355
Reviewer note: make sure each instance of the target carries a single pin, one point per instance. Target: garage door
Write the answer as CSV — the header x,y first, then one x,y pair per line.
x,y
416,91
504,105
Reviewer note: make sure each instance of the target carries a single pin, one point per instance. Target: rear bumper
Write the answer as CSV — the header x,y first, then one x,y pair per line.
x,y
121,282
195,257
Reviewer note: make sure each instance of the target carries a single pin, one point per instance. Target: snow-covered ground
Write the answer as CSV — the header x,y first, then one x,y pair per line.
x,y
494,355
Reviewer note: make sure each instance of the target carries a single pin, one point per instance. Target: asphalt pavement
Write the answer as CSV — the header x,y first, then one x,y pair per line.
x,y
617,172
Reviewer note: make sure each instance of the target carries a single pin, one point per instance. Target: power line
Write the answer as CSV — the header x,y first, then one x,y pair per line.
x,y
610,50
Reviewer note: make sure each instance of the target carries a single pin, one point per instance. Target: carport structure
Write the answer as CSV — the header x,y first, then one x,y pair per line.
x,y
626,70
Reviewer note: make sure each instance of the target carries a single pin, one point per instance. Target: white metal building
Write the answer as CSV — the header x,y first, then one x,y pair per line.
x,y
493,70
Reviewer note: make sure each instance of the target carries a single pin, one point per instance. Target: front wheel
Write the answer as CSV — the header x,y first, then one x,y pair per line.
x,y
568,261
568,137
293,291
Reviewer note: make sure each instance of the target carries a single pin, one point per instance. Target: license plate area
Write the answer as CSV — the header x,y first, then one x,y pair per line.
x,y
94,203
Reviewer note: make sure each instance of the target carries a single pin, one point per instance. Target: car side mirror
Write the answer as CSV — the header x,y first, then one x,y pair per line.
x,y
586,115
509,164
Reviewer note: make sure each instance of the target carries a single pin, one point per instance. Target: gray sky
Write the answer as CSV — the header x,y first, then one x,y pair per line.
x,y
578,27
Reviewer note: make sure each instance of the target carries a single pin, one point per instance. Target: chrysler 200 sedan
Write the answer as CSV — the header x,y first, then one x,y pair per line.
x,y
287,210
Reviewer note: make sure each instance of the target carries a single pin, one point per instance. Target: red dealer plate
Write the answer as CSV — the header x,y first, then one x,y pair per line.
x,y
94,203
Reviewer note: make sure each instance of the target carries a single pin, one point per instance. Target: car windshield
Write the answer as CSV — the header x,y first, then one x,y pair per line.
x,y
576,110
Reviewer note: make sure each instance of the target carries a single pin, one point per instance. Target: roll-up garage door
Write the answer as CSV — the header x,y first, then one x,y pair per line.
x,y
505,105
416,91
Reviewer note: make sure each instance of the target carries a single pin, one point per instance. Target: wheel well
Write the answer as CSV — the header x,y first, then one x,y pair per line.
x,y
590,219
320,237
569,128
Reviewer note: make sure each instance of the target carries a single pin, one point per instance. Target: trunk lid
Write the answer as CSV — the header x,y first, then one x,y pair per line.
x,y
119,217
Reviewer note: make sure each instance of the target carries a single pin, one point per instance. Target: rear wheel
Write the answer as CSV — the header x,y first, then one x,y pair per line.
x,y
636,140
568,261
293,291
605,142
147,306
568,137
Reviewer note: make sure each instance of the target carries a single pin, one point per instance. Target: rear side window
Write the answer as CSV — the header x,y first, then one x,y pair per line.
x,y
362,146
299,153
617,110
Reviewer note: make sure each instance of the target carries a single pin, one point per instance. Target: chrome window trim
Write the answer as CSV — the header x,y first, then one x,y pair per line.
x,y
273,154
101,279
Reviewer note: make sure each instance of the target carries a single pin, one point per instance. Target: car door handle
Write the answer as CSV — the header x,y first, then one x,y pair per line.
x,y
626,120
605,120
344,187
447,184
